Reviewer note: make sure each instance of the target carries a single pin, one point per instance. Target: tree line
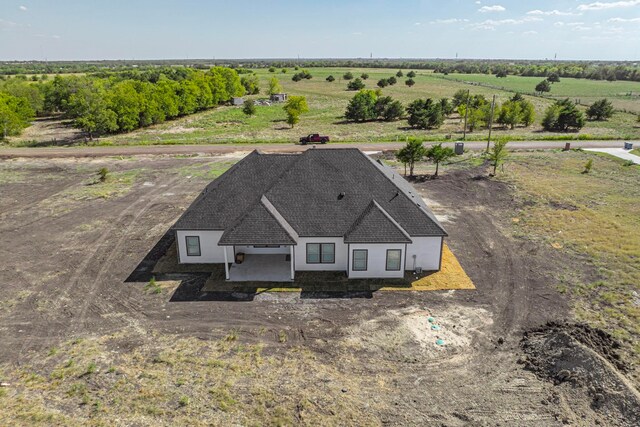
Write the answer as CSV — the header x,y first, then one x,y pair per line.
x,y
120,102
477,111
594,70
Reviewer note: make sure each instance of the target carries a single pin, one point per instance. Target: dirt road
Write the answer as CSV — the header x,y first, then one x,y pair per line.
x,y
55,152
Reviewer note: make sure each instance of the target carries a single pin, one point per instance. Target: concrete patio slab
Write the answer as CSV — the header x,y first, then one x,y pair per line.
x,y
261,268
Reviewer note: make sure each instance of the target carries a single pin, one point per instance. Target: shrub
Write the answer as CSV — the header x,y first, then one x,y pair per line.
x,y
103,174
409,82
348,75
588,166
330,79
411,74
383,83
249,107
364,76
399,73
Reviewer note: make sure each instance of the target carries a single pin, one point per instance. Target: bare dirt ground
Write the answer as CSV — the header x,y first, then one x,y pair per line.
x,y
347,359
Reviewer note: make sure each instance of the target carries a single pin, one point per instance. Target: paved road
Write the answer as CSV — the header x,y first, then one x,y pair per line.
x,y
50,152
618,152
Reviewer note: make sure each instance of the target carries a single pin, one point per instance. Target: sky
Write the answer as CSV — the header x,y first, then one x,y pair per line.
x,y
189,29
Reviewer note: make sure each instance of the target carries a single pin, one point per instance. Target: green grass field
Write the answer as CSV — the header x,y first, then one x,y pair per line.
x,y
623,94
328,101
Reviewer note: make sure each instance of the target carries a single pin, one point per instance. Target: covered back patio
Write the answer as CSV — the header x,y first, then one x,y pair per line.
x,y
262,268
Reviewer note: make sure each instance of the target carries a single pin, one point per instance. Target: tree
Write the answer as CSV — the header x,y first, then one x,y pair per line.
x,y
411,153
295,106
249,107
383,83
563,116
437,153
479,111
274,86
399,74
330,79
356,84
388,109
498,153
409,82
251,84
92,112
15,114
411,74
272,70
553,78
364,76
460,98
362,106
348,75
392,80
501,74
283,71
446,106
543,86
425,114
600,110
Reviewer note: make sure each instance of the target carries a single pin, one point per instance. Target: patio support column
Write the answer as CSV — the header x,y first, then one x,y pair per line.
x,y
292,262
226,263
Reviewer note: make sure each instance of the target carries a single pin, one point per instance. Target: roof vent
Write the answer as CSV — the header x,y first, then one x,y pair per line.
x,y
341,196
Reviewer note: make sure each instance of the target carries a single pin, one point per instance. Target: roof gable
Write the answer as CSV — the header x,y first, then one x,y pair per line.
x,y
262,225
376,226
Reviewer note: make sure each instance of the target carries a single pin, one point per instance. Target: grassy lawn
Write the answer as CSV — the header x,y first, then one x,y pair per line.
x,y
328,101
594,215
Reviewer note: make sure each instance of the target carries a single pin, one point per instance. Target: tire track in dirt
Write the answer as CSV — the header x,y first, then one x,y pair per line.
x,y
89,302
89,258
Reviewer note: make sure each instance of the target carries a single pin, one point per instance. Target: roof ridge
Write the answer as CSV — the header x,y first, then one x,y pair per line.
x,y
278,217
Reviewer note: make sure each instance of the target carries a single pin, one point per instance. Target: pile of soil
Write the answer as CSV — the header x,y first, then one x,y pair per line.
x,y
584,363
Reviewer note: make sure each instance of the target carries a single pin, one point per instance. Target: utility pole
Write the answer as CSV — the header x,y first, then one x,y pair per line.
x,y
466,114
493,105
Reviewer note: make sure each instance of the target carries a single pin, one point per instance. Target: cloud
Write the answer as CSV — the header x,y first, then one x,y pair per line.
x,y
24,8
448,21
530,33
494,8
491,24
554,12
4,24
624,20
417,24
610,5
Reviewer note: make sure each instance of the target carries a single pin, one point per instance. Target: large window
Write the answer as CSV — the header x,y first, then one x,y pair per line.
x,y
321,253
193,245
359,262
394,258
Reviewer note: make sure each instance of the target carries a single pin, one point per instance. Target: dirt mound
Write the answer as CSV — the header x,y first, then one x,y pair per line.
x,y
584,364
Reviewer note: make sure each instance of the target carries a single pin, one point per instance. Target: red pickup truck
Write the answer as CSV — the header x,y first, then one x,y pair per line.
x,y
314,138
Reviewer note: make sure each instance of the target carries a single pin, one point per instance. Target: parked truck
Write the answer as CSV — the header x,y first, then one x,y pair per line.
x,y
314,138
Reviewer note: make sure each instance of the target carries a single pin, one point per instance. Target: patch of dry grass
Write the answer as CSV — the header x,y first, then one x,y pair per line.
x,y
596,215
186,381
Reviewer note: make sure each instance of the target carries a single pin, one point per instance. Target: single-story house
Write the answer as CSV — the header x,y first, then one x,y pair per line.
x,y
237,100
271,215
279,97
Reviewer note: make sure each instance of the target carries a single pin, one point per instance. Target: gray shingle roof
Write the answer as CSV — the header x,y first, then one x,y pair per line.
x,y
376,226
304,189
262,225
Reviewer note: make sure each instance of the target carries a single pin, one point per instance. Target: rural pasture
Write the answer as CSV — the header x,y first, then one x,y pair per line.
x,y
328,100
83,341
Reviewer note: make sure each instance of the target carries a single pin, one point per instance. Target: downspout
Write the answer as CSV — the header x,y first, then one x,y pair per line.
x,y
226,263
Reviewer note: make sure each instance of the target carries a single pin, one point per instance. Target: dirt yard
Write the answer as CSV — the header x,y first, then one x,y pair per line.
x,y
87,339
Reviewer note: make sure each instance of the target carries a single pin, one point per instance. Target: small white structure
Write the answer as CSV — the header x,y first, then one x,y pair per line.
x,y
279,97
237,100
321,210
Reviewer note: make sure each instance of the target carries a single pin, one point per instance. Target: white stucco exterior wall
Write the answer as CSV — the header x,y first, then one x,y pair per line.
x,y
340,254
376,261
426,251
210,252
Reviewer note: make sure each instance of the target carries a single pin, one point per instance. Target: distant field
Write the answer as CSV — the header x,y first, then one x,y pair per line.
x,y
328,101
624,95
